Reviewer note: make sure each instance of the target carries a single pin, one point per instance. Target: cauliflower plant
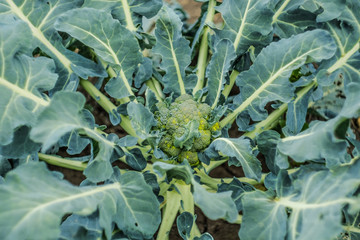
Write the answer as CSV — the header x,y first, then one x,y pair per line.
x,y
186,128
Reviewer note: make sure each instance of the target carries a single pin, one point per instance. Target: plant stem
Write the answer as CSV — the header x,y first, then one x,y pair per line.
x,y
113,74
227,88
62,162
214,164
214,182
266,123
154,85
169,214
204,48
272,119
188,205
107,105
129,22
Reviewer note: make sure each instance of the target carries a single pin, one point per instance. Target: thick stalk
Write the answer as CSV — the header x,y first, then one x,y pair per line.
x,y
188,205
62,162
204,48
107,105
169,214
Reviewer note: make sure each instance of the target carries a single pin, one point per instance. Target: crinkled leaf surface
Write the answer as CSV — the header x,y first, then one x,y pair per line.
x,y
40,16
60,117
110,40
218,70
331,9
127,10
315,195
246,23
268,77
174,50
142,120
317,142
289,19
39,203
22,80
239,149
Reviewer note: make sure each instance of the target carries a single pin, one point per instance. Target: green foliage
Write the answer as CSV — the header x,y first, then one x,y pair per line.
x,y
187,99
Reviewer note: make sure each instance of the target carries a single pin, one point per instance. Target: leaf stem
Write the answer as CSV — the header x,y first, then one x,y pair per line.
x,y
171,209
129,22
113,74
62,162
107,105
154,85
204,48
227,88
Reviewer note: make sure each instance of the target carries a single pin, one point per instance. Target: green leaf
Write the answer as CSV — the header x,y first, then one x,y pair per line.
x,y
174,50
74,226
40,16
38,204
315,194
262,212
184,223
294,22
268,78
215,205
128,12
247,23
329,9
21,146
59,118
110,40
240,151
142,120
22,80
316,143
218,70
345,64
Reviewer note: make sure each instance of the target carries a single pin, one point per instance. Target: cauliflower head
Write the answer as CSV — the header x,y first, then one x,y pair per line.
x,y
185,127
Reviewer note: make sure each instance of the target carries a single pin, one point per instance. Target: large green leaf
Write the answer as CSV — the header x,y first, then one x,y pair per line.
x,y
128,12
346,62
60,117
315,203
64,115
40,16
110,40
240,152
289,19
262,212
329,9
174,50
318,142
218,70
34,206
268,78
247,23
22,80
